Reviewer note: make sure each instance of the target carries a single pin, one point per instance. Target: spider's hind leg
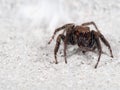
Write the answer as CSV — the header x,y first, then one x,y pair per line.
x,y
106,43
91,23
58,41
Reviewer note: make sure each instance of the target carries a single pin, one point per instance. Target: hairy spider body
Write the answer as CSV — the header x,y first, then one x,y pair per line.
x,y
81,35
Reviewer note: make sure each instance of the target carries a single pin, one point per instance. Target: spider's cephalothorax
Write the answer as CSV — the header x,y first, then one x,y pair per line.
x,y
86,39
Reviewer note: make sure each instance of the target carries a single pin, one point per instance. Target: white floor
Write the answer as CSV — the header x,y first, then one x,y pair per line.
x,y
26,60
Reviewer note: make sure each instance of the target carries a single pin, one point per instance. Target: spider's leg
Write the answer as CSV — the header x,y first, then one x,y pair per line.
x,y
59,29
94,48
65,44
106,43
68,40
65,47
91,23
99,48
61,36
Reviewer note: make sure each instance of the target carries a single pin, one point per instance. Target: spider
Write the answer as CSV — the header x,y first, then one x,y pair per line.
x,y
81,35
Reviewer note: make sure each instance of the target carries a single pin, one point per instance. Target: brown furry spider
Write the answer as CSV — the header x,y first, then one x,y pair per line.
x,y
82,36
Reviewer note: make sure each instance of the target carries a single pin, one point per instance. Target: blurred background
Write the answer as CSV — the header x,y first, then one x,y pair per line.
x,y
25,58
46,15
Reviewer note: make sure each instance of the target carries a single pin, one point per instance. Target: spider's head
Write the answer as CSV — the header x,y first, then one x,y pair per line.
x,y
81,31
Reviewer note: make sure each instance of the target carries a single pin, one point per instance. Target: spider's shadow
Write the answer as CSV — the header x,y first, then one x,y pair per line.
x,y
79,52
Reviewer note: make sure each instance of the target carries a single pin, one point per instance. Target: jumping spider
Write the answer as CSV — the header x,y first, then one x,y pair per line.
x,y
86,39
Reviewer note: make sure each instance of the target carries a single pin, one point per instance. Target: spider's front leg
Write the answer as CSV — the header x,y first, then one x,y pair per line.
x,y
58,41
61,28
57,30
65,47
